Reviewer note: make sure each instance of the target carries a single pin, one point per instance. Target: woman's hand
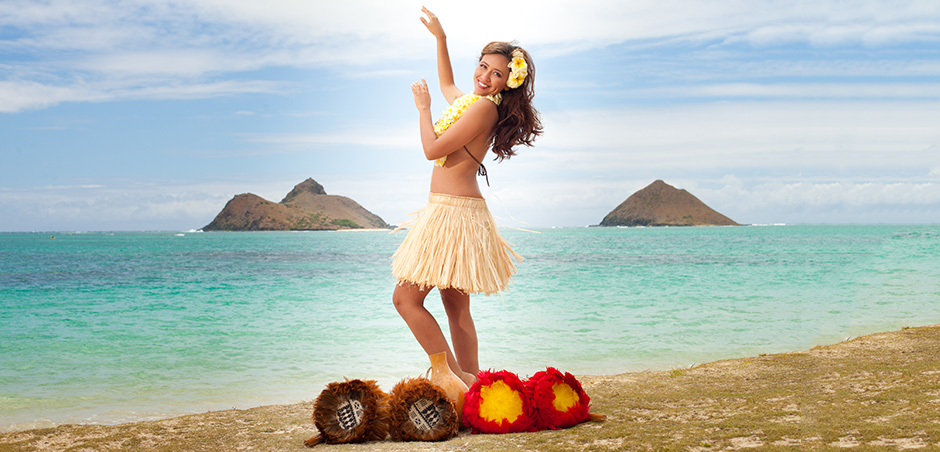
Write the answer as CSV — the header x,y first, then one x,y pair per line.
x,y
433,24
422,96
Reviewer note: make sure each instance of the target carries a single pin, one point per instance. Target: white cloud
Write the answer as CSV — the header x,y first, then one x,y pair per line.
x,y
365,32
164,62
826,202
182,44
19,96
758,162
55,12
195,90
820,194
811,113
379,138
741,134
515,199
788,91
868,30
585,201
27,95
119,205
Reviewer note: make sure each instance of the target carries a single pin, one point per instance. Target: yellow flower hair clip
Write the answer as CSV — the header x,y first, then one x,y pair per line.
x,y
518,69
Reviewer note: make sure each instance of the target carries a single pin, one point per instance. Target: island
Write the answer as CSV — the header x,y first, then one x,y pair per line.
x,y
660,204
306,208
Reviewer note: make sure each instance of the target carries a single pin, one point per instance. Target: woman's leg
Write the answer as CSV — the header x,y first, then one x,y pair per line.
x,y
463,333
409,301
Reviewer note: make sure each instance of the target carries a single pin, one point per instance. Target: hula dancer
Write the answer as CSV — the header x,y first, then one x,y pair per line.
x,y
454,244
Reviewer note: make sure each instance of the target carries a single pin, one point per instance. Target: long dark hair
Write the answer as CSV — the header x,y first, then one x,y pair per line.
x,y
519,122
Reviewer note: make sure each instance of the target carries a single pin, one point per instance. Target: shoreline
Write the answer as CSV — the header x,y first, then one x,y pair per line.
x,y
879,390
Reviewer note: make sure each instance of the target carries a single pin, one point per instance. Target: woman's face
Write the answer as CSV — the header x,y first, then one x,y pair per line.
x,y
491,75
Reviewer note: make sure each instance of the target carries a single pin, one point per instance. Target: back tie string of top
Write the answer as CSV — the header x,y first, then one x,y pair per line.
x,y
482,170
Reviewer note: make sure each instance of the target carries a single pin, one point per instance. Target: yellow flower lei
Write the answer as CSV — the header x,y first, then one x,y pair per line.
x,y
453,113
519,70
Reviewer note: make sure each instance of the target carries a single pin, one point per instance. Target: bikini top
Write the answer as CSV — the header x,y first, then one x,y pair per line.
x,y
452,114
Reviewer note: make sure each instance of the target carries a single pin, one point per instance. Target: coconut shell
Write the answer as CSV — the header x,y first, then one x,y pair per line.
x,y
352,411
421,411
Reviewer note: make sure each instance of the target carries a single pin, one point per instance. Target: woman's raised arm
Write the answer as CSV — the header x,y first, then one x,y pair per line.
x,y
445,72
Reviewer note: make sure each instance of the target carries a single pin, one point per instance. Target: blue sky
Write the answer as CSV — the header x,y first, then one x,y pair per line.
x,y
151,115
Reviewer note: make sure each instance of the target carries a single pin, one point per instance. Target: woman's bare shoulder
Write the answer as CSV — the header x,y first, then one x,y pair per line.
x,y
483,106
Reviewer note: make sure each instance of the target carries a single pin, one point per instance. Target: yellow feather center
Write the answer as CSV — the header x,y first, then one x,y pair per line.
x,y
565,397
500,402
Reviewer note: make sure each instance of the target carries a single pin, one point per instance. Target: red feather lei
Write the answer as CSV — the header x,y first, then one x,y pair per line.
x,y
558,399
497,403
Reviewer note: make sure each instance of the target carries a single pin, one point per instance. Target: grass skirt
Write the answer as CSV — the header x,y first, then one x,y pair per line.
x,y
454,243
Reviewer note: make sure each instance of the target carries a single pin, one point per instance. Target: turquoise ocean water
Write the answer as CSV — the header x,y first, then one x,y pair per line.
x,y
114,327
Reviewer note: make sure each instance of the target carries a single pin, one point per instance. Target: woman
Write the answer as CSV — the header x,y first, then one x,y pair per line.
x,y
454,244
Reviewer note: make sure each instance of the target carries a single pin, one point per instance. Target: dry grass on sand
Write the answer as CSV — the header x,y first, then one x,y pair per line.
x,y
875,392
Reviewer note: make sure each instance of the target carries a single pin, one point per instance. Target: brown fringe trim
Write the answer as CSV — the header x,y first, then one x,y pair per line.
x,y
352,411
421,411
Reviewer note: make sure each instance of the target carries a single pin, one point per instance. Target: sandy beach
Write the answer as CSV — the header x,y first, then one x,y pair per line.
x,y
878,391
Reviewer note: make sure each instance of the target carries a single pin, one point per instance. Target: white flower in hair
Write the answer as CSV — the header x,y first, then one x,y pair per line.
x,y
518,69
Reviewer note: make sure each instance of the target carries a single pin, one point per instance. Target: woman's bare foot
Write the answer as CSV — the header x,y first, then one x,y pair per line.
x,y
467,378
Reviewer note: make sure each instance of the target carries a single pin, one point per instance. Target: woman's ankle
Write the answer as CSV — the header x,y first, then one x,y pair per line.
x,y
468,378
